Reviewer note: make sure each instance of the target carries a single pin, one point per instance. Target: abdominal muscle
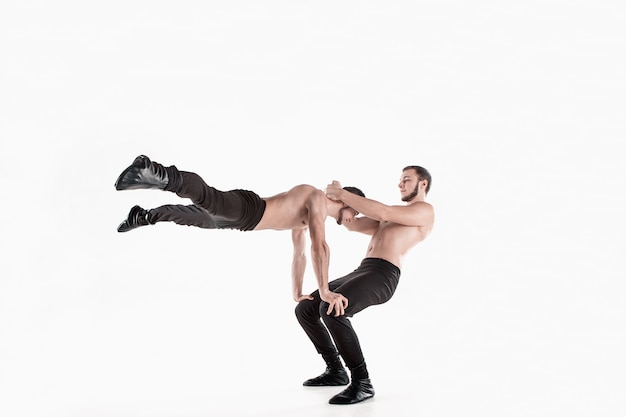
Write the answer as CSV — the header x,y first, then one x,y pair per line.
x,y
392,241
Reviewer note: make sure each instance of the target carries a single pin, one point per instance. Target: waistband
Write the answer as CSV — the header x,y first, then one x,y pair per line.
x,y
381,263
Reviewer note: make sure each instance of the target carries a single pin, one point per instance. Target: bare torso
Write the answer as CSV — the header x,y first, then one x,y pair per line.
x,y
303,209
290,210
392,241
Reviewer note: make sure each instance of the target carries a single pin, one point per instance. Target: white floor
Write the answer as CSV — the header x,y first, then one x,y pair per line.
x,y
155,345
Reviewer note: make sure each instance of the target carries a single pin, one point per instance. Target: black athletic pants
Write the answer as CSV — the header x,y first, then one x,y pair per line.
x,y
212,208
373,282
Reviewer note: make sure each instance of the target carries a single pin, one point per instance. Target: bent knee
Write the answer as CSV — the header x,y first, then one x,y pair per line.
x,y
305,309
323,309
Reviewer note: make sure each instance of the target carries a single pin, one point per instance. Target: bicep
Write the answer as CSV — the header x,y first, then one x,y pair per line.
x,y
317,231
417,214
316,218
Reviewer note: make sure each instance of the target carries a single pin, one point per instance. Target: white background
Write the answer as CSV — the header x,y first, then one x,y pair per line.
x,y
514,306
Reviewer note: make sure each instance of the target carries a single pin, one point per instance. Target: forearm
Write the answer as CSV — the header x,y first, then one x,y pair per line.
x,y
363,225
298,267
321,260
368,207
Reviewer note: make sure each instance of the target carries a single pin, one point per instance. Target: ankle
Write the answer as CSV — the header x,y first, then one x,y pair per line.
x,y
359,372
333,363
175,179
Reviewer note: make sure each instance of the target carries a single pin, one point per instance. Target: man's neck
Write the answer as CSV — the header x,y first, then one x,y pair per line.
x,y
417,199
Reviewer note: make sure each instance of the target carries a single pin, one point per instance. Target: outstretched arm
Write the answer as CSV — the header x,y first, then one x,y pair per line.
x,y
298,264
417,214
320,255
361,224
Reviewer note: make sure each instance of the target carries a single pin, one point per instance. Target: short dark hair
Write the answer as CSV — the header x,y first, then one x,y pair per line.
x,y
354,190
422,173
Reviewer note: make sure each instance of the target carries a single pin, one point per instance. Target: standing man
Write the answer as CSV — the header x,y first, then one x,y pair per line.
x,y
394,230
299,209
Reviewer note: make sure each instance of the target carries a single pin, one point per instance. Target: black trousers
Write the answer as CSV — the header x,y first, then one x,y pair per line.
x,y
212,208
373,282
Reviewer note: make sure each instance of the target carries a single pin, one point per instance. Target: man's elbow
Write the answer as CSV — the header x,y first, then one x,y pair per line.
x,y
382,215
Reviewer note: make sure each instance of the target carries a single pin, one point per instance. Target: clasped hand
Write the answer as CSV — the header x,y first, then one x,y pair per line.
x,y
333,190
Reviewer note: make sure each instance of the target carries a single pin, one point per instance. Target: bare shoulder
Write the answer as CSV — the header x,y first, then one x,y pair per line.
x,y
303,188
306,190
305,193
423,206
425,211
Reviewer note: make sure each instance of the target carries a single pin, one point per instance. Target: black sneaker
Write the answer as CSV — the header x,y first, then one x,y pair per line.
x,y
137,217
330,378
358,390
143,174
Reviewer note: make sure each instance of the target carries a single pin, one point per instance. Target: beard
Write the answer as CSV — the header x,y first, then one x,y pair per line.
x,y
340,219
412,195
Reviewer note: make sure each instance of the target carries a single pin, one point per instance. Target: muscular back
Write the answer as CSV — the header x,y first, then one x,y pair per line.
x,y
292,209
